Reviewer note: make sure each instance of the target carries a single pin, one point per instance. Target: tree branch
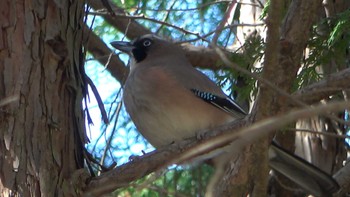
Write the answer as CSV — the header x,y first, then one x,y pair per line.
x,y
331,85
233,134
221,26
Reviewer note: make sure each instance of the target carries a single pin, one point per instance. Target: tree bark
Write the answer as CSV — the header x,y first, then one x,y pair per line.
x,y
42,123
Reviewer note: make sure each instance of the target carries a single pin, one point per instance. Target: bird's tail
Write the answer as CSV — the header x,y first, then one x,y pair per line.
x,y
306,175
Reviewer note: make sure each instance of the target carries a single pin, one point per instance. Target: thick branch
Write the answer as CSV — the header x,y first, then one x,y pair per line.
x,y
266,105
295,34
204,57
331,85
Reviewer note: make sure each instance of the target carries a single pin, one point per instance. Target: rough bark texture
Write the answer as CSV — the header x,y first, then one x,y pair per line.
x,y
42,126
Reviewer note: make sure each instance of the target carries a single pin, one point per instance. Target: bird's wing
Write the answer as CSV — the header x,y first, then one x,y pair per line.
x,y
204,88
224,103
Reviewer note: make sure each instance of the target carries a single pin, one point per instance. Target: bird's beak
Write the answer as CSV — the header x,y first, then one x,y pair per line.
x,y
125,47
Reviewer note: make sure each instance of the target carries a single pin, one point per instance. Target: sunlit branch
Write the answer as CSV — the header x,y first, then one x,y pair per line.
x,y
223,22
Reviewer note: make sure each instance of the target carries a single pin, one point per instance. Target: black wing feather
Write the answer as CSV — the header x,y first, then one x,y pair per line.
x,y
226,104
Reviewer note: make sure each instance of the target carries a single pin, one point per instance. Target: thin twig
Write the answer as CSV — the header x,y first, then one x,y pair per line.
x,y
145,18
223,22
227,62
319,133
203,37
166,16
98,99
111,137
183,10
260,5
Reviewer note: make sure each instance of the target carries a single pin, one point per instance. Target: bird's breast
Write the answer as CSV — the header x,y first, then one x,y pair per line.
x,y
165,111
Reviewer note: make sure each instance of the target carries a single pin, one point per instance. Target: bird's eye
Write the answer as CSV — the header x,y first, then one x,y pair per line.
x,y
147,43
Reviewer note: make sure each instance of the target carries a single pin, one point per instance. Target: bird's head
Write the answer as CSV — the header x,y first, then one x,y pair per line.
x,y
146,47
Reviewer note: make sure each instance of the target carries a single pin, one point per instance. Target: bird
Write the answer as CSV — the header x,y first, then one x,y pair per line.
x,y
169,100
